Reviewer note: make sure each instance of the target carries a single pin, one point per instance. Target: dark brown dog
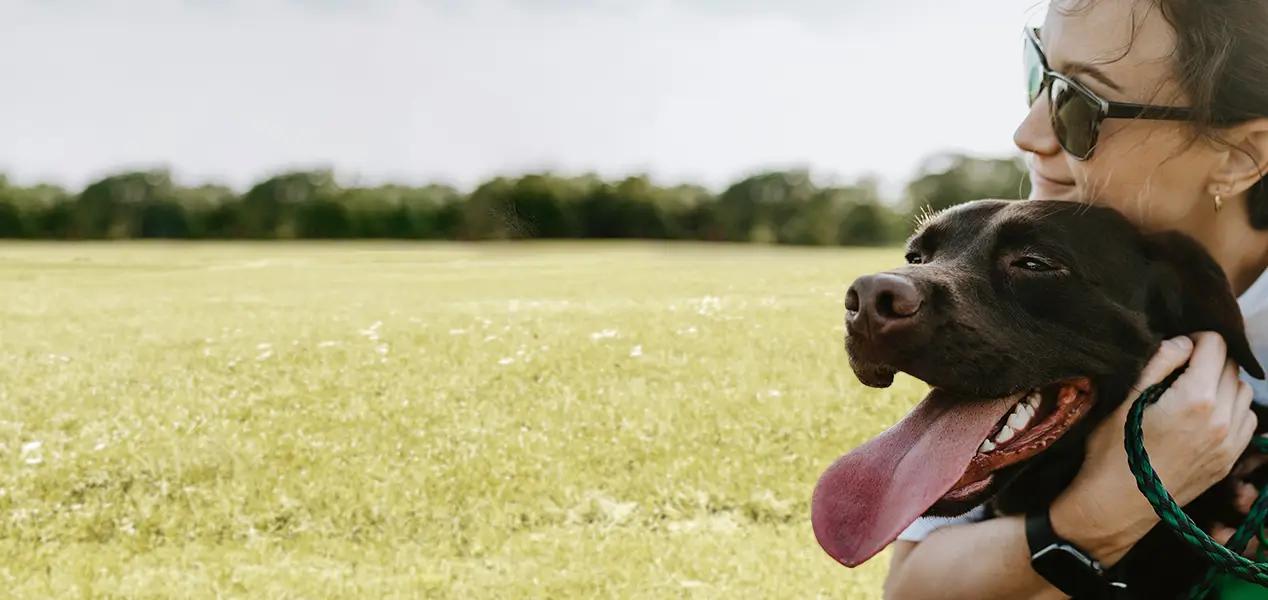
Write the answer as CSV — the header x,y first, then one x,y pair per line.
x,y
1030,321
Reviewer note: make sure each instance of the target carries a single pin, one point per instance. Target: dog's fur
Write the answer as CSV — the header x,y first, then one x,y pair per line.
x,y
988,328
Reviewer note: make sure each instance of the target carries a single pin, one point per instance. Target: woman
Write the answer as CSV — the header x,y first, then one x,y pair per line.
x,y
1199,171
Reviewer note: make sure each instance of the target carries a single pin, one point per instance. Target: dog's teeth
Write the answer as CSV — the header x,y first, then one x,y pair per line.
x,y
1030,411
1004,435
1033,399
1019,420
986,446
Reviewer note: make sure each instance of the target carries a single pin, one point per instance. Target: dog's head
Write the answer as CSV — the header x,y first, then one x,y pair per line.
x,y
1029,320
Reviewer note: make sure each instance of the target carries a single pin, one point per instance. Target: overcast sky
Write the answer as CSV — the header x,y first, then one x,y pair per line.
x,y
456,91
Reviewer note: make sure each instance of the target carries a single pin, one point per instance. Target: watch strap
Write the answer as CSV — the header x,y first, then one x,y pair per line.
x,y
1066,566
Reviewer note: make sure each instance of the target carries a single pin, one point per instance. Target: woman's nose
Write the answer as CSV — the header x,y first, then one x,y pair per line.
x,y
1035,134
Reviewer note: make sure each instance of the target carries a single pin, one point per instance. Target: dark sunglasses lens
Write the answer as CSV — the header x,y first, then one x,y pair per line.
x,y
1074,119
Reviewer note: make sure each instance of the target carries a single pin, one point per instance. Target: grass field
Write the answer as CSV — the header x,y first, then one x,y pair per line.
x,y
401,421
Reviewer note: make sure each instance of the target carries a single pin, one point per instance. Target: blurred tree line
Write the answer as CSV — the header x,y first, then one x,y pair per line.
x,y
775,207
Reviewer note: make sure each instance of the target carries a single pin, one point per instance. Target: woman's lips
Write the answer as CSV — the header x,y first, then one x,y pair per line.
x,y
1048,188
1049,180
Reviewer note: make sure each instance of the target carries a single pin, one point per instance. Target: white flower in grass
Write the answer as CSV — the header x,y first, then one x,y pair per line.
x,y
327,344
267,354
636,351
372,332
32,453
457,331
707,305
603,334
506,361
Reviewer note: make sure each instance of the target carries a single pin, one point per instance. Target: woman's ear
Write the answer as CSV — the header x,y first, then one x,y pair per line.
x,y
1188,293
1246,160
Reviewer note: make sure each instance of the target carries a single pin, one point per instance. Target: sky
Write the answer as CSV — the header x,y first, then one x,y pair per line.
x,y
458,91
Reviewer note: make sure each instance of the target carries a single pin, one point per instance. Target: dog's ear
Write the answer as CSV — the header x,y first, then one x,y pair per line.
x,y
1188,292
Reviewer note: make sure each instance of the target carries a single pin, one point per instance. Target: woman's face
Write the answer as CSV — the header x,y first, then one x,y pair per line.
x,y
1147,170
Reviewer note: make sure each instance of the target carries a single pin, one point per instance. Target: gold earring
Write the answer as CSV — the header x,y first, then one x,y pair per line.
x,y
1219,203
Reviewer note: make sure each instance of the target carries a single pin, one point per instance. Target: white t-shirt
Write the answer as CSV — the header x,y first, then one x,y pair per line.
x,y
1254,305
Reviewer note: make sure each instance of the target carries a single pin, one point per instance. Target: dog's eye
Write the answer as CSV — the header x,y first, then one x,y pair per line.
x,y
914,258
1031,263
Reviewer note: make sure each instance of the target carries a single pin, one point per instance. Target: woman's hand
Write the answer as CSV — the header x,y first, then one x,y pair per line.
x,y
1193,434
1244,496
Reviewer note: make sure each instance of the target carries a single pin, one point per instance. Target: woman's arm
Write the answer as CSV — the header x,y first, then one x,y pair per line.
x,y
991,559
1206,420
985,560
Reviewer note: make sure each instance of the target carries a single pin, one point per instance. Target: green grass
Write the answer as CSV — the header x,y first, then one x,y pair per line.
x,y
400,421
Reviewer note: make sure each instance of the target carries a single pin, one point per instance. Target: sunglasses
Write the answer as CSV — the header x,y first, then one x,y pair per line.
x,y
1076,111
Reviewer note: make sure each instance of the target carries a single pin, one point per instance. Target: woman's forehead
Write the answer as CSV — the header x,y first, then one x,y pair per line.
x,y
1128,41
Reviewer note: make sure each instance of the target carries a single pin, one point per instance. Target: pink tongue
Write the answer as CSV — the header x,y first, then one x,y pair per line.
x,y
867,497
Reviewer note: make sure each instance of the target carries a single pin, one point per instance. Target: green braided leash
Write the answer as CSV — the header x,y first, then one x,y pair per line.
x,y
1226,559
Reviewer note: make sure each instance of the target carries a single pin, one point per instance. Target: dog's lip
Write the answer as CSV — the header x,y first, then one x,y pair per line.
x,y
969,491
1065,412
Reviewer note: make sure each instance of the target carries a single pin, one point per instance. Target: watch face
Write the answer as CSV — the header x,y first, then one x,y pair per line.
x,y
1068,569
1062,554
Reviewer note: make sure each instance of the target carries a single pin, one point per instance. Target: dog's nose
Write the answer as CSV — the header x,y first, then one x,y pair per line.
x,y
881,303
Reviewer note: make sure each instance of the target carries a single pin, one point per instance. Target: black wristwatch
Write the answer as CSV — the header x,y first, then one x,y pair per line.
x,y
1065,565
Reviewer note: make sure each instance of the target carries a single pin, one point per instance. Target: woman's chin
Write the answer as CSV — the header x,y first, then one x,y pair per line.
x,y
1048,191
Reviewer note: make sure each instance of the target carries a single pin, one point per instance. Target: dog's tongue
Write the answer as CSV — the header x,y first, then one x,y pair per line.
x,y
867,497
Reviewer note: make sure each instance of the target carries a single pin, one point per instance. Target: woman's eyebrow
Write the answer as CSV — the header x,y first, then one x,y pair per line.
x,y
1076,68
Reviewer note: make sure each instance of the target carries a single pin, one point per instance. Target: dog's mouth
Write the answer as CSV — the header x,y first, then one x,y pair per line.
x,y
942,458
1039,417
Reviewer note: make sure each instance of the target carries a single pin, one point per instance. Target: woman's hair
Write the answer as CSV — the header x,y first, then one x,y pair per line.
x,y
1221,61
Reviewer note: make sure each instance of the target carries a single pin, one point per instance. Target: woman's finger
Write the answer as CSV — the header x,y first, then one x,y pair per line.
x,y
1246,496
1249,463
1240,432
1228,393
1171,355
1206,366
1245,396
1221,533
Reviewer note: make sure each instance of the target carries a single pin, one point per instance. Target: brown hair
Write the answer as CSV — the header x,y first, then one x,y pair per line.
x,y
1221,61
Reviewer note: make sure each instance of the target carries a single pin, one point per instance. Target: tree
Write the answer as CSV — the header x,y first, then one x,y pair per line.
x,y
118,206
533,206
947,180
269,208
755,208
785,207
